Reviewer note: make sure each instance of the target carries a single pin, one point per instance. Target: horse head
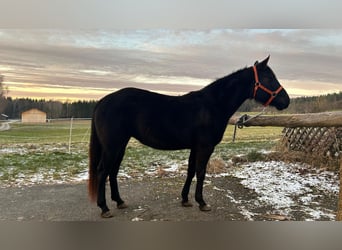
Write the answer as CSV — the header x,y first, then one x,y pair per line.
x,y
267,89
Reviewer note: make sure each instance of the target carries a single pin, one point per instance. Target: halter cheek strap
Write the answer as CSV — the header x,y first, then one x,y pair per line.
x,y
258,85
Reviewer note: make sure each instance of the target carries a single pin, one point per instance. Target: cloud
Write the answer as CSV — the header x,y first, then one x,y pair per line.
x,y
176,14
172,61
298,88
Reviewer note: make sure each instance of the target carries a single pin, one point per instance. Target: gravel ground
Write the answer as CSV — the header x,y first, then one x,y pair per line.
x,y
149,199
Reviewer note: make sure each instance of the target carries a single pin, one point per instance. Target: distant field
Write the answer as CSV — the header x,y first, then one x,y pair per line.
x,y
39,153
52,132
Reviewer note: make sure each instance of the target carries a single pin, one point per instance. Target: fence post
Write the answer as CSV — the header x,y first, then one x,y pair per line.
x,y
70,134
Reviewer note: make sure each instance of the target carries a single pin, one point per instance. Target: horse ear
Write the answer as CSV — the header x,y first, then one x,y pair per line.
x,y
263,64
256,63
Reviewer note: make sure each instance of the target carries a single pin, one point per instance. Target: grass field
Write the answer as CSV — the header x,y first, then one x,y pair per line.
x,y
55,131
39,153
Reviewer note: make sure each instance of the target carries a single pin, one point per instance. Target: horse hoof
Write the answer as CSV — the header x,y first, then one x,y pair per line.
x,y
122,206
205,208
186,204
107,215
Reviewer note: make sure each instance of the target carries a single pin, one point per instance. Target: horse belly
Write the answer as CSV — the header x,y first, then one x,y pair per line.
x,y
164,140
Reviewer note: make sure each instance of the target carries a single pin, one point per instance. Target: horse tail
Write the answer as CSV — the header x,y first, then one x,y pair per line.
x,y
95,150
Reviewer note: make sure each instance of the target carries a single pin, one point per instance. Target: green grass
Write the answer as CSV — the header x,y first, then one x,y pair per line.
x,y
57,132
57,164
28,151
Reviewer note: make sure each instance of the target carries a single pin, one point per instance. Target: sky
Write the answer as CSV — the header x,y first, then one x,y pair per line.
x,y
59,50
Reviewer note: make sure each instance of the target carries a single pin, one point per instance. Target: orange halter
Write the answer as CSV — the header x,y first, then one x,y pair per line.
x,y
258,85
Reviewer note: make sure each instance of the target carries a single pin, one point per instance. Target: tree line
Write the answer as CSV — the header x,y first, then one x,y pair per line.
x,y
299,105
330,102
12,108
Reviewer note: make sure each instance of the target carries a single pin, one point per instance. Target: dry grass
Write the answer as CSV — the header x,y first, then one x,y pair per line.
x,y
315,160
216,166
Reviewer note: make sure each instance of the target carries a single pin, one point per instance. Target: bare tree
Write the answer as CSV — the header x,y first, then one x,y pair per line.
x,y
2,93
1,86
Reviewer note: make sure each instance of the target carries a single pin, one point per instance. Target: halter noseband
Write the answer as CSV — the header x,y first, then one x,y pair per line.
x,y
258,85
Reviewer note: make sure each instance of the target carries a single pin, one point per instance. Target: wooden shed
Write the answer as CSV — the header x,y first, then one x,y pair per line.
x,y
33,116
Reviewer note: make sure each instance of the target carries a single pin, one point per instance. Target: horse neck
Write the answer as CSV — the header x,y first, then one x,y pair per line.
x,y
231,91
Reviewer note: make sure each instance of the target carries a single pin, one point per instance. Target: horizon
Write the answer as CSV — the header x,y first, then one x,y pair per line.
x,y
95,100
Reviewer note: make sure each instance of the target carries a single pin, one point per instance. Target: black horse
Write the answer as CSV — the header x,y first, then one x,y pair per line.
x,y
195,121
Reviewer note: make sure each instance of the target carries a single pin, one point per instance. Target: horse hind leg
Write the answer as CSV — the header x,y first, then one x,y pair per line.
x,y
109,166
103,172
115,195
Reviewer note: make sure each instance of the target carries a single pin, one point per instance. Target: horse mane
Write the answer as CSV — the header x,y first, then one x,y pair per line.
x,y
227,80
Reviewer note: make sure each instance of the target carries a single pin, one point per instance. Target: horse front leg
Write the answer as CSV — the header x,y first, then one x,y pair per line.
x,y
201,166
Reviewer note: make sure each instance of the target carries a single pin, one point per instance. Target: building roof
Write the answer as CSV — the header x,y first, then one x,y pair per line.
x,y
33,111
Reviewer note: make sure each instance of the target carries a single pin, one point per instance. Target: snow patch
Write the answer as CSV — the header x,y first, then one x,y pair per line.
x,y
286,185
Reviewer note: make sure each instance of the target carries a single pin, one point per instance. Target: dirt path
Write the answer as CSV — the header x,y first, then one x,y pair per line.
x,y
149,199
154,199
